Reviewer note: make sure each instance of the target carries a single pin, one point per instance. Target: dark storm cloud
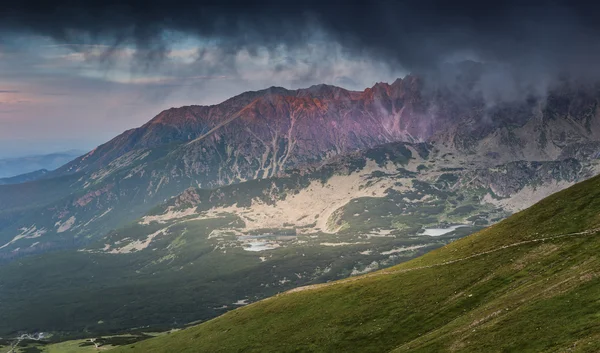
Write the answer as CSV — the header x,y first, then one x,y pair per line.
x,y
415,34
534,41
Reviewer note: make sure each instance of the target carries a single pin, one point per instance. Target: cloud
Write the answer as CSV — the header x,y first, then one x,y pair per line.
x,y
533,41
415,34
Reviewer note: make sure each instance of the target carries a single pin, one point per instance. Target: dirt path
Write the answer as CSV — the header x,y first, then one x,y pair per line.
x,y
384,272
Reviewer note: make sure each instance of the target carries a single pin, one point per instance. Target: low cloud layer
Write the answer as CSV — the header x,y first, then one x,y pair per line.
x,y
547,35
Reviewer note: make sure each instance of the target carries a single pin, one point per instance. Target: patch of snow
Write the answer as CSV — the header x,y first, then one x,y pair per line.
x,y
260,246
137,245
436,232
342,244
26,233
370,267
403,249
168,216
63,227
97,217
105,212
380,233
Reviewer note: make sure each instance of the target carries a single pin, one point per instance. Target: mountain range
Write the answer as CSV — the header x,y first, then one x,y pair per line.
x,y
33,165
276,189
263,134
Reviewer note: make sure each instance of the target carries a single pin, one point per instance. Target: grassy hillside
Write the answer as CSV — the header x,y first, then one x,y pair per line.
x,y
125,279
527,284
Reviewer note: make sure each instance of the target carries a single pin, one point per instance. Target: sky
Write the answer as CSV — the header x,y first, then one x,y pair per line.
x,y
74,74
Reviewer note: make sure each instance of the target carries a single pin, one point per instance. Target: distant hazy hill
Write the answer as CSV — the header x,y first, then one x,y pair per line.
x,y
10,167
22,178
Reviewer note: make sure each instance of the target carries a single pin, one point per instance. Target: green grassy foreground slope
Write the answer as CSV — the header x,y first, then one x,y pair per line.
x,y
528,284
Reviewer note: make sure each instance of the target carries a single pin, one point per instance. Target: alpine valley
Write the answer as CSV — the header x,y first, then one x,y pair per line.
x,y
208,208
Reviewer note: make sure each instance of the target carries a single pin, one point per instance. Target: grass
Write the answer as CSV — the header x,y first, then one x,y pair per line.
x,y
539,296
79,345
